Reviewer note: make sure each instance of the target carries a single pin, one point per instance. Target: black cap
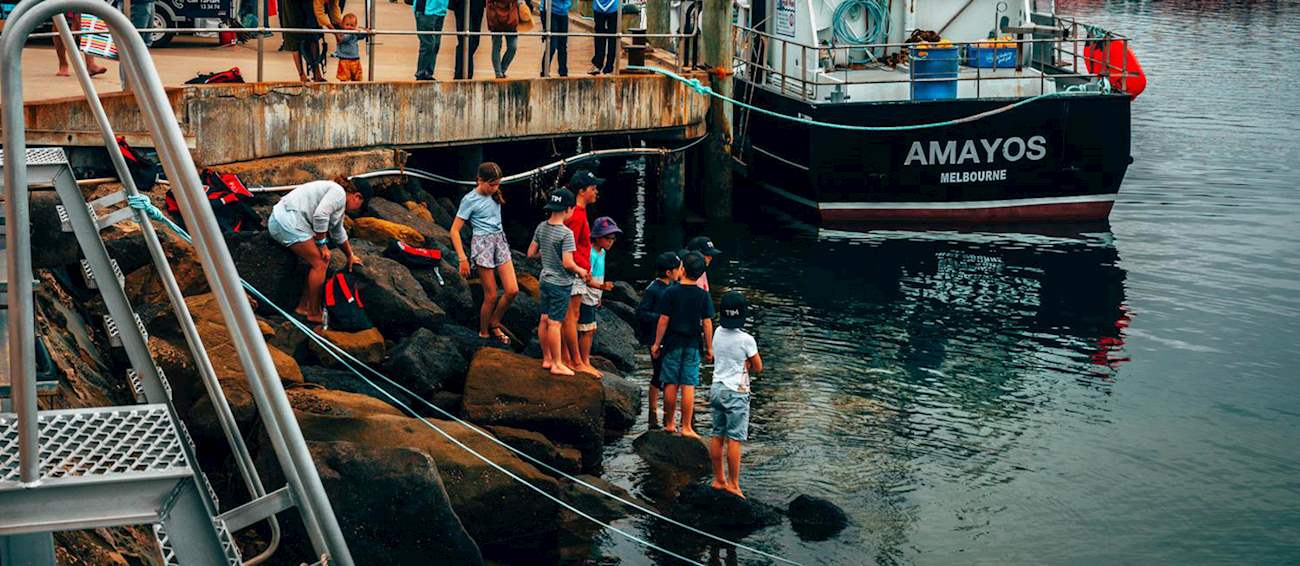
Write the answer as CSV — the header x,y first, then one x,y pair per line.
x,y
733,311
694,264
666,261
560,200
583,179
363,188
703,245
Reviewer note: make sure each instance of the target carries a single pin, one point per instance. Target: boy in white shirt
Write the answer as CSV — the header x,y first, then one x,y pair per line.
x,y
735,357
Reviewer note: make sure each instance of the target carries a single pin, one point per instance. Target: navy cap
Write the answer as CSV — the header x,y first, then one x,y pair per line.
x,y
604,226
734,309
666,261
583,179
703,245
560,200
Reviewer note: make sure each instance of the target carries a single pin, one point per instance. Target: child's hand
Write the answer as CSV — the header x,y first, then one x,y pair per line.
x,y
655,351
708,355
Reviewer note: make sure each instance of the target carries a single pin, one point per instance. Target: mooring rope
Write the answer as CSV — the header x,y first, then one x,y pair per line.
x,y
704,89
143,203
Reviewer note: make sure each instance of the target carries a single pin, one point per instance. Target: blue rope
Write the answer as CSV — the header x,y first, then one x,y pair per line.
x,y
142,202
695,85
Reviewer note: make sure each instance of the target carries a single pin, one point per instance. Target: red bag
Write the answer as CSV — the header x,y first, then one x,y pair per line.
x,y
412,256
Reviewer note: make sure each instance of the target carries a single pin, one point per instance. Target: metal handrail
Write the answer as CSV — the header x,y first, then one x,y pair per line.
x,y
286,437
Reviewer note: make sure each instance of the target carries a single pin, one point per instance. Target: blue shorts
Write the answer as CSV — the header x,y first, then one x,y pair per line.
x,y
730,412
284,235
586,318
555,301
681,366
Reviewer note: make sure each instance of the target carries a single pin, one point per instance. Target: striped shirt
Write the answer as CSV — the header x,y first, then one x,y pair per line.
x,y
552,241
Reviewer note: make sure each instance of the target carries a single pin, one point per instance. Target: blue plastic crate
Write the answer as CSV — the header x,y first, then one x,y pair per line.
x,y
991,57
934,72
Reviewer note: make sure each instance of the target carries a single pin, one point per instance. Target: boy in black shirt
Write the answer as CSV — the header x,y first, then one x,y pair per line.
x,y
685,322
668,267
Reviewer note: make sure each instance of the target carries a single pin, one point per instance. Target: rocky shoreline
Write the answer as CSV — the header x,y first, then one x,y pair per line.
x,y
403,492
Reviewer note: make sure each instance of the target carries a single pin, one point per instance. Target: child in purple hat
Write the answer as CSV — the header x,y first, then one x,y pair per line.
x,y
603,233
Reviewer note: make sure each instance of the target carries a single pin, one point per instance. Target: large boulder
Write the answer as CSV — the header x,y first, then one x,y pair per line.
x,y
390,211
565,459
622,402
451,292
716,509
477,491
674,452
624,311
338,379
216,339
365,345
381,231
614,339
426,363
394,300
522,316
403,516
815,518
597,504
623,292
268,267
143,286
504,388
53,247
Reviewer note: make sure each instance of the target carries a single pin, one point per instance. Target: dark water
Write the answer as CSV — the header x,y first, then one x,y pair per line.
x,y
1118,393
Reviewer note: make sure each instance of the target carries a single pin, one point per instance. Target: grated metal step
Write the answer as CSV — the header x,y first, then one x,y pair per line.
x,y
88,274
115,334
102,441
233,557
137,386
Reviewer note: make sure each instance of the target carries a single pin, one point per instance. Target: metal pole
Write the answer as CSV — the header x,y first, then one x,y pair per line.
x,y
618,34
261,30
463,41
208,375
213,254
546,47
370,39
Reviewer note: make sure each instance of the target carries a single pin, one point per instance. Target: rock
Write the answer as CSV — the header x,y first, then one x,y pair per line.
x,y
395,302
452,293
529,284
624,292
268,267
522,316
468,340
478,493
425,363
534,348
364,345
403,516
816,518
622,402
382,231
508,389
447,401
52,247
668,450
338,379
202,416
597,504
600,363
216,340
448,208
625,312
708,508
143,286
525,264
614,339
400,214
329,402
534,444
128,249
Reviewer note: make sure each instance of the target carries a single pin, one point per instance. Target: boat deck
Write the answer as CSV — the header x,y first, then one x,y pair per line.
x,y
886,84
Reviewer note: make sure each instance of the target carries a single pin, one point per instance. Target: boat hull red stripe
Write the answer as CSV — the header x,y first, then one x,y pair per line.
x,y
1045,212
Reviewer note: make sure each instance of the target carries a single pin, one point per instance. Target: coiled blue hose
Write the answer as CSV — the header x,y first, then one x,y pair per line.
x,y
876,15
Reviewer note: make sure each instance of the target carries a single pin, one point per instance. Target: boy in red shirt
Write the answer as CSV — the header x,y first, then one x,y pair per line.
x,y
584,187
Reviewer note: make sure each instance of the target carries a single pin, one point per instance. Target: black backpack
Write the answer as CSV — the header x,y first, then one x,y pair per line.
x,y
343,307
229,199
144,169
412,256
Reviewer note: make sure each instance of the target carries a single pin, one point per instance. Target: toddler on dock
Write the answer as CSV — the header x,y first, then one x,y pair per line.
x,y
685,323
553,241
668,269
348,53
736,358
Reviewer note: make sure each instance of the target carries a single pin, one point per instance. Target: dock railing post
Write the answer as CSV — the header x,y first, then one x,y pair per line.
x,y
261,30
371,20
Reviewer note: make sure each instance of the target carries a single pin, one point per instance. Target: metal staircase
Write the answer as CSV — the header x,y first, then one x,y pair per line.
x,y
132,465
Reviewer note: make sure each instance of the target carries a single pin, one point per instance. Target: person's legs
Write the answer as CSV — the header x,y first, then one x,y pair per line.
x,y
561,47
427,59
512,42
670,407
569,339
476,8
688,411
487,278
297,63
142,17
309,302
733,466
584,350
553,339
597,43
547,360
716,447
509,290
611,43
656,368
62,52
496,56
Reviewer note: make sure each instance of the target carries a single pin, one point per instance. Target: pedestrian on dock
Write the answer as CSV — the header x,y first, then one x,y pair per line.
x,y
74,24
606,48
348,52
736,359
703,245
603,233
489,252
467,12
668,270
554,243
584,186
305,220
556,16
429,16
503,21
685,327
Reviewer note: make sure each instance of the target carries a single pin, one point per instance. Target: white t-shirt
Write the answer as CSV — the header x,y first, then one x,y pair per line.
x,y
317,207
731,348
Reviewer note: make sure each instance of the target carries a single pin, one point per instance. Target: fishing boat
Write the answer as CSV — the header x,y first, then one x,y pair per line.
x,y
932,110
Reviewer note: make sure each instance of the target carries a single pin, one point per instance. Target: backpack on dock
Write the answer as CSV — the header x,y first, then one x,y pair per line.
x,y
344,310
228,76
230,201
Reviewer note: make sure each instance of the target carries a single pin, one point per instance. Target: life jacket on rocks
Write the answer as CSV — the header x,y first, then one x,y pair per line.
x,y
229,199
144,170
231,75
412,256
344,310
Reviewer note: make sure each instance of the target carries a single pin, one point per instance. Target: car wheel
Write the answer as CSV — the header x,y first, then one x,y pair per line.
x,y
160,20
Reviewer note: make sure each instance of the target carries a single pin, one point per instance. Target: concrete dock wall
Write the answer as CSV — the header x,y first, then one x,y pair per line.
x,y
230,123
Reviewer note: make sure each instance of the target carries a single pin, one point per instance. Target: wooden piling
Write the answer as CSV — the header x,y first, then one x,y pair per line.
x,y
658,18
715,164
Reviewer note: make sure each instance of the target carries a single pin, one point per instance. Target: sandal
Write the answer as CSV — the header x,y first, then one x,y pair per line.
x,y
500,335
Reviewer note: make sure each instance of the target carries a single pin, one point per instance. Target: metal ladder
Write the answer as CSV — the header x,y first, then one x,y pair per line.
x,y
131,465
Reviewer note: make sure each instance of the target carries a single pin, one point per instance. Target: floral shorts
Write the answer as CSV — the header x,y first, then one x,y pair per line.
x,y
489,251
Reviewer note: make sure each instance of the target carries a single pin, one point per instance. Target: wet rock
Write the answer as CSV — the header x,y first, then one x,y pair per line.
x,y
508,389
451,293
268,267
400,214
364,345
815,518
52,247
382,231
603,364
624,292
565,459
614,339
703,506
668,450
337,379
597,504
425,363
403,516
625,312
394,300
622,402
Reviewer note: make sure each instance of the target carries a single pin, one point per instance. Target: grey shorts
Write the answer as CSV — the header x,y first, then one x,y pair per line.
x,y
555,301
489,250
730,412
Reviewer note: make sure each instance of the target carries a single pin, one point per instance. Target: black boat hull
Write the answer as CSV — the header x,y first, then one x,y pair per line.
x,y
1054,159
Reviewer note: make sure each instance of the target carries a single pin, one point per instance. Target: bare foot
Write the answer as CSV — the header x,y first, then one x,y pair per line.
x,y
689,433
98,71
62,72
718,485
589,369
560,369
546,364
670,428
735,490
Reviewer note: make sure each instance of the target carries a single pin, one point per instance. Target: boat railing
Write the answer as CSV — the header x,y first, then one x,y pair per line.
x,y
818,73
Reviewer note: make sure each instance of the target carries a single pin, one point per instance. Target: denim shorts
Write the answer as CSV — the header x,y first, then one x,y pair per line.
x,y
286,236
681,367
586,318
730,412
555,301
